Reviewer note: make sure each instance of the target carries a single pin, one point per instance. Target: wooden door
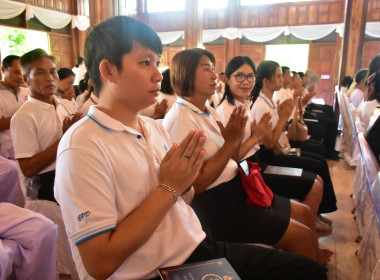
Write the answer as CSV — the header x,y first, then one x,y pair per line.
x,y
255,52
323,61
61,47
220,57
371,49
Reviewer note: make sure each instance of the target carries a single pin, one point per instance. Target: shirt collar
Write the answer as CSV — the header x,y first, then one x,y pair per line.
x,y
109,123
44,105
192,107
267,100
3,87
245,104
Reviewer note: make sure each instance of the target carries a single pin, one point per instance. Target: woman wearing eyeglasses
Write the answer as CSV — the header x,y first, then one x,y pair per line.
x,y
240,80
220,200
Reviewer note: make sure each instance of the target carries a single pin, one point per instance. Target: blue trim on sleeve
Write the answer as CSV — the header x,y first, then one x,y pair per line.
x,y
93,235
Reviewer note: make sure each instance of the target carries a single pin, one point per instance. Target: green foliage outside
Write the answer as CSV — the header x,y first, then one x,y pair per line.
x,y
14,41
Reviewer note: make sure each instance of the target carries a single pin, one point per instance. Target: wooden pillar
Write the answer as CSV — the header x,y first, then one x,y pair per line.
x,y
101,10
194,27
141,10
232,46
353,41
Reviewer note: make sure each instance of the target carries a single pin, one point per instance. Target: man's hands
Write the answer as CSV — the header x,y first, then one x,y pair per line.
x,y
69,121
180,166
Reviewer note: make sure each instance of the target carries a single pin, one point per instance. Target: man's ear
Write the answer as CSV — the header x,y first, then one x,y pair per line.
x,y
107,71
3,69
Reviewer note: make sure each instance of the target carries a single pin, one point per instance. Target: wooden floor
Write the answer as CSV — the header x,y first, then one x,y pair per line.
x,y
344,264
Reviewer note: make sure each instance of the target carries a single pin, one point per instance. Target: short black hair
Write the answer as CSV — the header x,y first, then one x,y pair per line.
x,y
346,82
301,74
79,61
8,60
32,56
360,75
63,73
112,39
374,65
284,69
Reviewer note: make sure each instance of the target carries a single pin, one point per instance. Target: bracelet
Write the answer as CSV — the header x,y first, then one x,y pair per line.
x,y
166,187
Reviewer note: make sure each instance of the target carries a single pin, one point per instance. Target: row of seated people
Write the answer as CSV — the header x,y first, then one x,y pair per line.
x,y
107,167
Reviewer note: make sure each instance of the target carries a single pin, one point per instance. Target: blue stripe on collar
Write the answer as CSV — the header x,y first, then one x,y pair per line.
x,y
96,121
203,113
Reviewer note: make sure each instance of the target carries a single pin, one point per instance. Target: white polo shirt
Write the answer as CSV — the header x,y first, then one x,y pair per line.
x,y
357,97
104,171
283,94
37,125
10,102
262,105
184,117
365,111
224,111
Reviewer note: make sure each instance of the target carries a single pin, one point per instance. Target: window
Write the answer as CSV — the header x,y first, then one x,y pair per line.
x,y
260,2
294,56
128,7
154,6
19,41
213,4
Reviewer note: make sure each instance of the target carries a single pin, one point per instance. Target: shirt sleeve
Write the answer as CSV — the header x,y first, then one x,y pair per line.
x,y
85,218
24,137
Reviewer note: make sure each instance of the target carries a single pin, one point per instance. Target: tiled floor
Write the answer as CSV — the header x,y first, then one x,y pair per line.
x,y
344,264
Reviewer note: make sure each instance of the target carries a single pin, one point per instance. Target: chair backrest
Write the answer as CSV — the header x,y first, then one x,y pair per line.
x,y
375,195
369,159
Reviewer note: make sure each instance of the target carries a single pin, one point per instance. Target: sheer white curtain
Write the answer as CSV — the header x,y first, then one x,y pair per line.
x,y
264,34
373,29
170,37
50,18
312,32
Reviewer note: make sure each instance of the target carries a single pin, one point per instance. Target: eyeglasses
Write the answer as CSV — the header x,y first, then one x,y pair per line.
x,y
241,78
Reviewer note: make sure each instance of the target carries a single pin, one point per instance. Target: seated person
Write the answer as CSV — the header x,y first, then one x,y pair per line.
x,y
220,199
28,244
268,80
37,127
357,95
240,80
123,228
12,96
65,89
10,190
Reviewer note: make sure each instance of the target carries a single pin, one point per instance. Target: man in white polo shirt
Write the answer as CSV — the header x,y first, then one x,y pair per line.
x,y
12,96
120,182
39,124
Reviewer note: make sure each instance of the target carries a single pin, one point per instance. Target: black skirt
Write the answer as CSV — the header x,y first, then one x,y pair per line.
x,y
223,211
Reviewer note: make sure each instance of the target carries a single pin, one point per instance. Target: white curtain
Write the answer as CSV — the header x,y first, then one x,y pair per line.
x,y
312,32
373,29
10,9
50,18
211,35
232,33
170,37
80,22
263,34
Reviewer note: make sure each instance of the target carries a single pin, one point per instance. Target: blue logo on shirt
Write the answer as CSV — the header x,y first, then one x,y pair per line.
x,y
166,148
83,215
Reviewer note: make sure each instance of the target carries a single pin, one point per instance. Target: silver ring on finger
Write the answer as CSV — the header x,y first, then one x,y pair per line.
x,y
186,155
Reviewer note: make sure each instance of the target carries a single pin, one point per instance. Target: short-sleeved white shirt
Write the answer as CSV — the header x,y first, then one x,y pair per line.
x,y
282,95
224,111
79,72
357,97
104,171
262,105
184,117
37,125
365,111
10,102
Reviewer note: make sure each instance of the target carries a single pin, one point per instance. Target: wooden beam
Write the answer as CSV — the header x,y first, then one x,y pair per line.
x,y
193,30
353,40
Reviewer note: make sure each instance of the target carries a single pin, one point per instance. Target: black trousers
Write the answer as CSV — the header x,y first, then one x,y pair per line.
x,y
258,263
46,183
